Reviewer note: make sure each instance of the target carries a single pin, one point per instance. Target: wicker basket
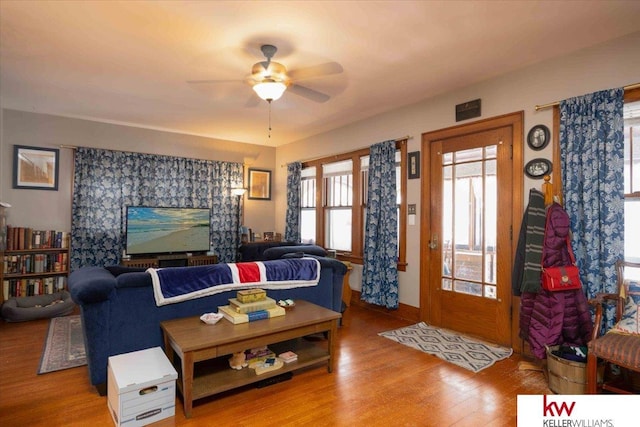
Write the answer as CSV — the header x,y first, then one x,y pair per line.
x,y
565,376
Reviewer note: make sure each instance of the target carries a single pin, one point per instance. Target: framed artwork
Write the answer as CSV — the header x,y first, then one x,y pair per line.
x,y
35,168
537,168
259,184
538,137
413,160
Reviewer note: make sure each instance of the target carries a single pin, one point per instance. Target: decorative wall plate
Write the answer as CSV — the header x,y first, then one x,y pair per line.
x,y
538,137
537,168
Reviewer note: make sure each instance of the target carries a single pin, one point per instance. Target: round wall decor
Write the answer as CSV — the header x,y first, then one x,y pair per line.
x,y
538,137
537,168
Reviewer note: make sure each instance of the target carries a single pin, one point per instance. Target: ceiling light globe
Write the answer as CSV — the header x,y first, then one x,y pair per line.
x,y
270,90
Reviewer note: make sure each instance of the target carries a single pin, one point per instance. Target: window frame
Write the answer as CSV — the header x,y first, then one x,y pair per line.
x,y
357,208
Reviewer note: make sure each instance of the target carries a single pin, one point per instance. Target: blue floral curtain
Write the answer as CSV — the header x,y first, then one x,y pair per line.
x,y
592,158
380,272
106,182
292,226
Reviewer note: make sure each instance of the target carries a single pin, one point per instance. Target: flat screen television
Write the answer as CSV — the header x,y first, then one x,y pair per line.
x,y
160,230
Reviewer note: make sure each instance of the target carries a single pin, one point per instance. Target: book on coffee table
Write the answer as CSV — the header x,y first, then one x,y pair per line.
x,y
248,307
234,317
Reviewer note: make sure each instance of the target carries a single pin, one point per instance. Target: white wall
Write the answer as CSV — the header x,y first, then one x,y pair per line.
x,y
52,209
605,66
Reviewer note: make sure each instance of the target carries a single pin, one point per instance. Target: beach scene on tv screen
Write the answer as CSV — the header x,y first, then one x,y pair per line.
x,y
167,230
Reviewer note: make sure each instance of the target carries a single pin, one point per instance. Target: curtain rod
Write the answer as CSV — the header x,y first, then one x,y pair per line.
x,y
553,104
404,138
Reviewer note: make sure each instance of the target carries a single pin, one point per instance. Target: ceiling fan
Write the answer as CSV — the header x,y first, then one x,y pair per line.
x,y
270,79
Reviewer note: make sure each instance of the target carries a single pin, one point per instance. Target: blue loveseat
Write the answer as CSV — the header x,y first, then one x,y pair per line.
x,y
119,313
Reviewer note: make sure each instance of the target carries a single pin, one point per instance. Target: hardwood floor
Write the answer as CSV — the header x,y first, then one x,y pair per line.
x,y
376,383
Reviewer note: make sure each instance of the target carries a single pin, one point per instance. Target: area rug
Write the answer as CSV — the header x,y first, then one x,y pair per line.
x,y
462,351
64,346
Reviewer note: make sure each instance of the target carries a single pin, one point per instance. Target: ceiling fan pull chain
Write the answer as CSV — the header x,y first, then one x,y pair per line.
x,y
269,119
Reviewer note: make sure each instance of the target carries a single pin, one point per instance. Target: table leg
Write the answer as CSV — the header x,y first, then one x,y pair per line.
x,y
187,383
333,332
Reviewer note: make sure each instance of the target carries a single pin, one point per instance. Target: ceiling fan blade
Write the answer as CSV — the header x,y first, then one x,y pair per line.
x,y
325,69
213,81
310,94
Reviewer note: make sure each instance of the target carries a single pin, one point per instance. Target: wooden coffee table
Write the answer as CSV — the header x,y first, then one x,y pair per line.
x,y
194,341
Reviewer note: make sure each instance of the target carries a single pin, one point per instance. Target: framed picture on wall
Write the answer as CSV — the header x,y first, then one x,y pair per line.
x,y
35,168
259,184
413,159
538,137
538,168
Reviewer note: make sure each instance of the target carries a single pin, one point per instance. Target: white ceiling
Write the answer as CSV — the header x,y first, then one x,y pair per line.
x,y
130,62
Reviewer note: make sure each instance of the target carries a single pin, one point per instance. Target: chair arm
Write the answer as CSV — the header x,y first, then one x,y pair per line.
x,y
598,302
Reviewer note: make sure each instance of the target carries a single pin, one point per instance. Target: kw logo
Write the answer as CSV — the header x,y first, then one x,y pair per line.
x,y
552,409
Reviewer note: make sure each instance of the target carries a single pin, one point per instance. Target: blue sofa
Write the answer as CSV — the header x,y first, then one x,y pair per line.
x,y
119,313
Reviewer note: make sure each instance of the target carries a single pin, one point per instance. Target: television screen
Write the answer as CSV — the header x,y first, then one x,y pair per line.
x,y
166,230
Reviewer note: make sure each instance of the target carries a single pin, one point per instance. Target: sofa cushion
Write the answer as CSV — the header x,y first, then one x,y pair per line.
x,y
117,270
630,321
135,279
278,252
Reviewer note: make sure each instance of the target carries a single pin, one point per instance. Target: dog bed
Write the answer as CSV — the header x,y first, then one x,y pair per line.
x,y
21,309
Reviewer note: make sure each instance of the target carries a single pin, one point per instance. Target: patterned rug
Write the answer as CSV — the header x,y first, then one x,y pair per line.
x,y
462,351
64,346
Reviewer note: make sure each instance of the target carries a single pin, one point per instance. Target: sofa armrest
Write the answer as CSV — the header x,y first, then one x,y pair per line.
x,y
89,285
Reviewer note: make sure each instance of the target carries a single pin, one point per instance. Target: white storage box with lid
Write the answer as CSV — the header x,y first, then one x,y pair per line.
x,y
141,387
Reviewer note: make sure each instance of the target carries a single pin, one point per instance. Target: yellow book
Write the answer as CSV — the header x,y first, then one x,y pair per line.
x,y
248,307
234,317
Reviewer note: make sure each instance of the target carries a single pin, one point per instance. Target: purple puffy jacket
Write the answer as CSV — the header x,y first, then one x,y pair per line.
x,y
552,318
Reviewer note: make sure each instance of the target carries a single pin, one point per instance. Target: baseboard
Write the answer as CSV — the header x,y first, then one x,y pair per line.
x,y
405,312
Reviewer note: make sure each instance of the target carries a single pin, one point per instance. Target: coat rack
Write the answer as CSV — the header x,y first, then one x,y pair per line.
x,y
547,190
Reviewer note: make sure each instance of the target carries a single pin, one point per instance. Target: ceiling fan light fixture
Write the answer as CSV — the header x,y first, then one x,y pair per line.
x,y
269,90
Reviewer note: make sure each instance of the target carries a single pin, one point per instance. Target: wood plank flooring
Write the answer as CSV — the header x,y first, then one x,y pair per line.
x,y
376,383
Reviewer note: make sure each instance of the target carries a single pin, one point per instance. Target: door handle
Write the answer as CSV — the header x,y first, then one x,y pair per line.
x,y
433,243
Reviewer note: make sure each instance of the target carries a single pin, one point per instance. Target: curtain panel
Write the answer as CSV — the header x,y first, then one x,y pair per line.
x,y
106,182
592,159
292,226
380,272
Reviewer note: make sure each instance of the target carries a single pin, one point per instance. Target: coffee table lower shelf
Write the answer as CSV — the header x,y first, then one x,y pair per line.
x,y
215,376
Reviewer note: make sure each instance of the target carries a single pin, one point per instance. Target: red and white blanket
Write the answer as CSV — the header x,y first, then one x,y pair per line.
x,y
176,284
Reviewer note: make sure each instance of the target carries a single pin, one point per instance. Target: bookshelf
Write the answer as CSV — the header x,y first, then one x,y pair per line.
x,y
34,262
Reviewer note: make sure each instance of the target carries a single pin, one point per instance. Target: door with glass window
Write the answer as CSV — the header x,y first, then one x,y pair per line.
x,y
470,247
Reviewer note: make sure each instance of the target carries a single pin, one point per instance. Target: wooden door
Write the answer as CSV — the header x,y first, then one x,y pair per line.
x,y
469,234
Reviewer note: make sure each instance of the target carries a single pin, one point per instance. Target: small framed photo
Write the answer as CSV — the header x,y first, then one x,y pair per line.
x,y
537,168
413,160
538,137
259,184
35,168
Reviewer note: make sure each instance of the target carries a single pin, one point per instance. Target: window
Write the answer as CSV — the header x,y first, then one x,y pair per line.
x,y
631,180
338,190
308,206
338,221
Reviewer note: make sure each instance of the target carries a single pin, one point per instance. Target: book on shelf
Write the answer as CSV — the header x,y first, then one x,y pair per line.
x,y
288,356
26,238
234,317
268,365
248,307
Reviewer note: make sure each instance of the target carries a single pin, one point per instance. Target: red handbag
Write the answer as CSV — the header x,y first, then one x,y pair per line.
x,y
562,278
